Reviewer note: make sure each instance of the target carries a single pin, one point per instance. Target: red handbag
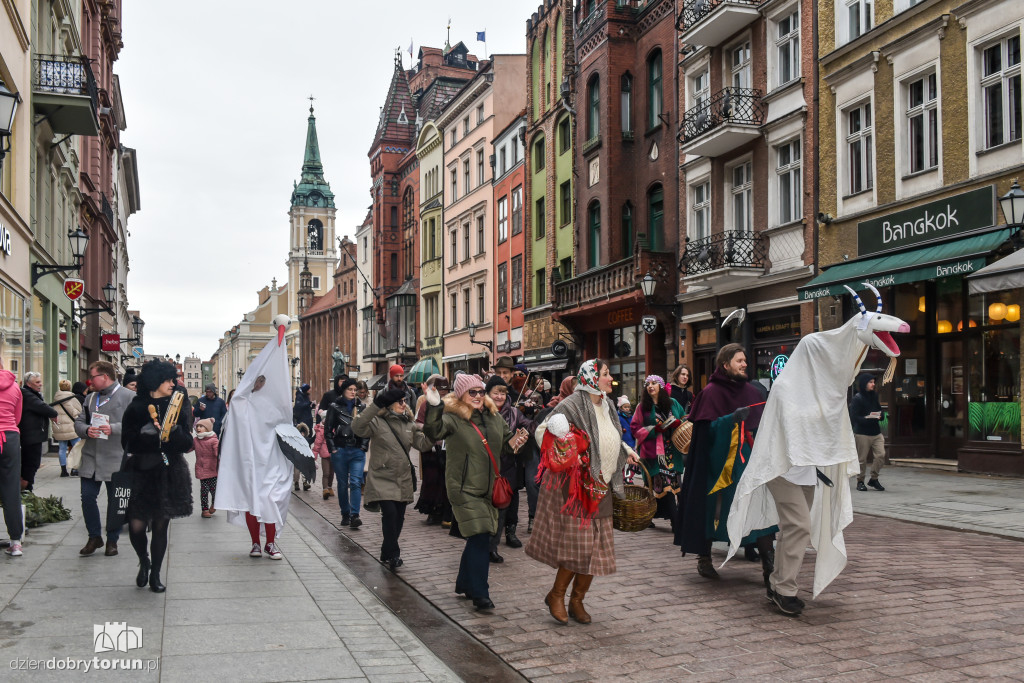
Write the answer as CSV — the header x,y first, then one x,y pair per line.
x,y
501,496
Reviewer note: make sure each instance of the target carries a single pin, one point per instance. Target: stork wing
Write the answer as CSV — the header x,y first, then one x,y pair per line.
x,y
296,449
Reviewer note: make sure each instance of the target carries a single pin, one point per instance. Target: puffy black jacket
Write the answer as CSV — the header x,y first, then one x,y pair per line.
x,y
35,417
338,427
865,402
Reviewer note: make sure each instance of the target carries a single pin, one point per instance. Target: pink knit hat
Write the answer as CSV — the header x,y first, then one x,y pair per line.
x,y
206,422
464,383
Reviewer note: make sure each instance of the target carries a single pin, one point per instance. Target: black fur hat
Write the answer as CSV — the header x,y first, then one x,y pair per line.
x,y
156,372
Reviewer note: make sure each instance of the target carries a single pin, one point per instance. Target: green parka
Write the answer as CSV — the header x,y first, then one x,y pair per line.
x,y
391,475
469,476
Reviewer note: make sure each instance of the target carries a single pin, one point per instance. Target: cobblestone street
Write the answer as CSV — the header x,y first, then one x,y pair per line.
x,y
915,603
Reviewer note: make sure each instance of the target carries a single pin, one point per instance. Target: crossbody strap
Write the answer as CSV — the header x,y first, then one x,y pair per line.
x,y
484,439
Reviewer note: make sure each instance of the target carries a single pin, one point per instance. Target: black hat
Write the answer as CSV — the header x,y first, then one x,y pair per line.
x,y
348,382
129,376
156,372
496,381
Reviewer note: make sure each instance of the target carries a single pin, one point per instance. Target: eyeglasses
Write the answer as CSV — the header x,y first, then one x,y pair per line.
x,y
475,393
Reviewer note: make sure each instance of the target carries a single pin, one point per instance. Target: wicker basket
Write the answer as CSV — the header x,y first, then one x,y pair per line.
x,y
636,509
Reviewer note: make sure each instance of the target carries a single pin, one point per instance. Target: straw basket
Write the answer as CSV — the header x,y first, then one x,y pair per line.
x,y
635,510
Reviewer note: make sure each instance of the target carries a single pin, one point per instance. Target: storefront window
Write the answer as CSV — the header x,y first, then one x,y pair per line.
x,y
949,306
993,352
628,362
37,337
12,330
910,306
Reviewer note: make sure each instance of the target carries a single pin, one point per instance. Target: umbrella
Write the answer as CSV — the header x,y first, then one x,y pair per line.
x,y
424,368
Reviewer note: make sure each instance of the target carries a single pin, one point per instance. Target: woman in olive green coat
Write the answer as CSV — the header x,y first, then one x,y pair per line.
x,y
391,480
469,474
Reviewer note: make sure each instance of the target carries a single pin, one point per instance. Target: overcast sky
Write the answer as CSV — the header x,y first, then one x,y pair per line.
x,y
214,96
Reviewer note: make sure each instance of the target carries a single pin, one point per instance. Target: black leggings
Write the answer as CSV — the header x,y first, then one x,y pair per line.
x,y
157,547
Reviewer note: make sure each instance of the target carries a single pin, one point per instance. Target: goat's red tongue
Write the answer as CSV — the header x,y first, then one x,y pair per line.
x,y
889,342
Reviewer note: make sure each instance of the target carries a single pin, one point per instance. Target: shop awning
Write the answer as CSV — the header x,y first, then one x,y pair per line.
x,y
545,365
1006,273
956,257
375,383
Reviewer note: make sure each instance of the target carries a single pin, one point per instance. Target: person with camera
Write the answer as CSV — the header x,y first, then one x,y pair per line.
x,y
348,451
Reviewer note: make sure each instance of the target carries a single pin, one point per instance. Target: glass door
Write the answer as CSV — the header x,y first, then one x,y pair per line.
x,y
951,399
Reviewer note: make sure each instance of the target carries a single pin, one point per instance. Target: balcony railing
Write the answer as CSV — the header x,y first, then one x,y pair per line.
x,y
728,105
728,249
59,80
696,10
615,279
108,211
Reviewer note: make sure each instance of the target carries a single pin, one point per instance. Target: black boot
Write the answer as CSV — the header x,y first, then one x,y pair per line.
x,y
143,578
529,526
767,551
705,568
64,471
154,581
511,540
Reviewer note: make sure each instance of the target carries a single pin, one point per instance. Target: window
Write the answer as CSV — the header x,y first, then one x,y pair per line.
x,y
655,102
502,287
742,191
858,148
394,266
465,307
739,65
594,224
538,155
454,137
517,281
517,210
542,292
787,168
593,107
627,230
481,304
502,219
465,241
565,202
316,282
455,311
502,162
539,219
700,88
480,234
923,124
465,176
465,126
656,218
432,239
455,184
564,135
626,102
858,13
394,216
1000,88
787,48
564,271
701,210
455,244
480,114
479,167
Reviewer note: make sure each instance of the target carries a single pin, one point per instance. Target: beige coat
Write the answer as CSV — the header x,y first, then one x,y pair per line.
x,y
68,408
391,475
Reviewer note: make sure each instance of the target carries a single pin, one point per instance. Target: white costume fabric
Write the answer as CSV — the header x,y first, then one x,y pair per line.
x,y
254,475
806,423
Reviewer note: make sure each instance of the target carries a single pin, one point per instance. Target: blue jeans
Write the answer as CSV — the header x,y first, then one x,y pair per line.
x,y
91,511
348,464
62,452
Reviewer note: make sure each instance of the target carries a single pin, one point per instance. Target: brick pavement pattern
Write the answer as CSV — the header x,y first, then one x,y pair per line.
x,y
915,603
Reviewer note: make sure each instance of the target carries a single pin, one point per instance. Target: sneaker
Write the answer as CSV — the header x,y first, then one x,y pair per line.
x,y
355,522
306,485
861,486
255,552
272,552
346,520
14,550
771,598
873,483
790,605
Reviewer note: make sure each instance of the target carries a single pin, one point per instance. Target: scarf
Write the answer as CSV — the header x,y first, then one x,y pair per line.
x,y
723,396
569,461
564,391
581,413
586,379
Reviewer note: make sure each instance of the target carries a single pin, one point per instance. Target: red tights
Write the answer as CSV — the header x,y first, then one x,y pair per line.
x,y
254,529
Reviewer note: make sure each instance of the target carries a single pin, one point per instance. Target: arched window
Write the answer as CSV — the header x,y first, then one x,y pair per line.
x,y
594,224
394,216
655,102
408,231
538,154
593,107
626,90
537,79
546,68
656,218
315,236
627,230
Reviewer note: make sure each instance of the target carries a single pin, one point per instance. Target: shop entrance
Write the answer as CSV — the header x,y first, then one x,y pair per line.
x,y
951,399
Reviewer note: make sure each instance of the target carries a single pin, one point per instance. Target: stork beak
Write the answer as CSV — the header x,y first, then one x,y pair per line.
x,y
280,335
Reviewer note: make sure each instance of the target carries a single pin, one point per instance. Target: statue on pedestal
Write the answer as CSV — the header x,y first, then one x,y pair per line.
x,y
339,362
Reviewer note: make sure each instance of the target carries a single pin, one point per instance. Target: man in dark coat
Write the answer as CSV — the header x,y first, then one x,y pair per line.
x,y
728,405
865,414
34,426
212,406
330,396
512,465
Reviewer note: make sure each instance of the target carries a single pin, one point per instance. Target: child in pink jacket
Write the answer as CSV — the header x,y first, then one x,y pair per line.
x,y
207,447
320,449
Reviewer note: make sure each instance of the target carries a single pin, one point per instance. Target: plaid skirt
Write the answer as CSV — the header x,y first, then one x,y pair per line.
x,y
558,541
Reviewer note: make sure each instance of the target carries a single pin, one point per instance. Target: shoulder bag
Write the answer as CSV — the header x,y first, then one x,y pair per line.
x,y
501,496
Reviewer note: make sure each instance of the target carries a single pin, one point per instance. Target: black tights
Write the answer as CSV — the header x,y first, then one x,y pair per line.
x,y
157,547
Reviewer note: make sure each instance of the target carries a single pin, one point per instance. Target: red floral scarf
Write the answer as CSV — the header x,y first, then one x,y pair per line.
x,y
568,459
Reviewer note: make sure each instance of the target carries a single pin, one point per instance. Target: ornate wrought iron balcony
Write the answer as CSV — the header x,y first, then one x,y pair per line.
x,y
729,249
108,211
710,22
729,118
64,92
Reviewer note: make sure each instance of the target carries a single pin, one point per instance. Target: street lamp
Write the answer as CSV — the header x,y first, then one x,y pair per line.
x,y
137,325
110,295
8,108
1012,205
79,241
647,286
241,374
472,338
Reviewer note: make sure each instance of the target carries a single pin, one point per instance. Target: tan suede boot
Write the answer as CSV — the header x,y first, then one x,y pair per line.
x,y
555,599
580,586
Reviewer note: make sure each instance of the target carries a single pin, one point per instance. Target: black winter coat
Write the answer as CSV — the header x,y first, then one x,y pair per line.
x,y
338,427
35,417
865,402
302,411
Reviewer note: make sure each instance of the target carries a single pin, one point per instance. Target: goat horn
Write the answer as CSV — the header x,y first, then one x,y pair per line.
x,y
856,297
878,297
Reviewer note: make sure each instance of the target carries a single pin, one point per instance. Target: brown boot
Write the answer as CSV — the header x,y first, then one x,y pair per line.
x,y
111,549
94,544
555,599
580,586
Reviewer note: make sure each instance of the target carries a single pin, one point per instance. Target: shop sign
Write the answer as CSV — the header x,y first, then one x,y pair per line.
x,y
777,326
111,342
931,222
932,272
648,324
74,288
778,363
621,316
5,239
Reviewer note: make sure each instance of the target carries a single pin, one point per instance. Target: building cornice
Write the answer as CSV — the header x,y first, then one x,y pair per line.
x,y
970,8
885,27
852,69
936,26
17,25
465,98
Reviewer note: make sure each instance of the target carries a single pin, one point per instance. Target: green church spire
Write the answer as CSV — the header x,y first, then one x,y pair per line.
x,y
312,189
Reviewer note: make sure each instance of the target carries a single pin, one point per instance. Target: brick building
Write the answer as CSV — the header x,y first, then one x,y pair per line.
x,y
329,324
508,170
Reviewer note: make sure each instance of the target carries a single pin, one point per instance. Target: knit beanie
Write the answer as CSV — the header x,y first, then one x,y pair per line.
x,y
348,382
495,381
396,370
206,422
623,401
464,383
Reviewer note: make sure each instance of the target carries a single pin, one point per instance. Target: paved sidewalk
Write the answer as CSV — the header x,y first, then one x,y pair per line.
x,y
225,616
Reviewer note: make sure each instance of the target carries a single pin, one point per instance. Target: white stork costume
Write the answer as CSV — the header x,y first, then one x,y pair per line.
x,y
255,472
806,423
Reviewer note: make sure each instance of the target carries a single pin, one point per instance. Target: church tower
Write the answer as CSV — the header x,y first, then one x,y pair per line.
x,y
311,220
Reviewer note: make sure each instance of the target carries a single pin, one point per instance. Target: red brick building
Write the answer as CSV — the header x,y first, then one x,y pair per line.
x,y
626,193
330,323
509,176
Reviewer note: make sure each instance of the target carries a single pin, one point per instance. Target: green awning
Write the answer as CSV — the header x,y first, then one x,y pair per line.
x,y
956,257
